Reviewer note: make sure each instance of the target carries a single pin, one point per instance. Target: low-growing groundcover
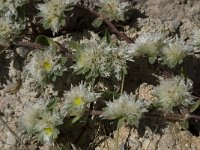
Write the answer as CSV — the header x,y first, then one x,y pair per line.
x,y
71,74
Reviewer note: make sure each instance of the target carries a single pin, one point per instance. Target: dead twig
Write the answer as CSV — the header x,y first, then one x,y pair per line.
x,y
39,46
28,44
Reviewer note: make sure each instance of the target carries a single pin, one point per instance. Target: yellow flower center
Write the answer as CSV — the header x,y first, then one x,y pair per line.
x,y
48,131
47,65
83,60
79,101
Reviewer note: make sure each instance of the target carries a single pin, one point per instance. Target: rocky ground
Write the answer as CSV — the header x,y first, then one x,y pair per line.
x,y
172,16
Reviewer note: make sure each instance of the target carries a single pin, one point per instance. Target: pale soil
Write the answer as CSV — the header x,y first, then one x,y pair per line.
x,y
173,16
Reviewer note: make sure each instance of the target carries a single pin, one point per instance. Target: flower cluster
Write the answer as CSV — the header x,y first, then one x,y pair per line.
x,y
91,58
45,65
149,44
96,57
174,52
41,119
113,9
77,99
118,59
10,6
8,29
9,23
170,93
52,13
125,107
38,120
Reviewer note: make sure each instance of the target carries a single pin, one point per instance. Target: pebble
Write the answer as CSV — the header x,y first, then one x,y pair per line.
x,y
174,26
11,141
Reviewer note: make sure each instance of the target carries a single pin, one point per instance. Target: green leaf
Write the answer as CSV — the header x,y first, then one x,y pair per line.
x,y
71,121
97,22
110,95
195,106
107,37
21,14
43,40
183,73
120,123
60,73
184,124
152,60
75,45
75,119
63,60
54,78
52,103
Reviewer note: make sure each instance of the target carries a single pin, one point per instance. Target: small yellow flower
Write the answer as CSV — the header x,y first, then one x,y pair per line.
x,y
79,101
47,65
44,65
48,131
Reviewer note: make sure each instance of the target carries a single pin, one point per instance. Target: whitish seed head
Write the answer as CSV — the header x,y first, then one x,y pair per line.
x,y
170,93
126,107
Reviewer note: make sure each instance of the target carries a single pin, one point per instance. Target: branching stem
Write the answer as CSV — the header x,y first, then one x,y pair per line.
x,y
122,83
38,46
109,23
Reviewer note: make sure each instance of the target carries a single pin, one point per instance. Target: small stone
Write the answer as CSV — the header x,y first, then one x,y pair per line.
x,y
174,26
13,87
146,143
145,92
22,52
1,145
10,141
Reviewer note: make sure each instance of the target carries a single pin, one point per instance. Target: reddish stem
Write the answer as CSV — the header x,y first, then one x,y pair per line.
x,y
109,23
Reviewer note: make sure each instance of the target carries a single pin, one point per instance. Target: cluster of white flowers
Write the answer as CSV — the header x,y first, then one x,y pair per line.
x,y
113,9
92,59
8,8
41,121
127,107
149,44
77,99
9,27
52,13
6,30
174,52
38,120
170,52
43,65
170,93
118,59
11,5
97,57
